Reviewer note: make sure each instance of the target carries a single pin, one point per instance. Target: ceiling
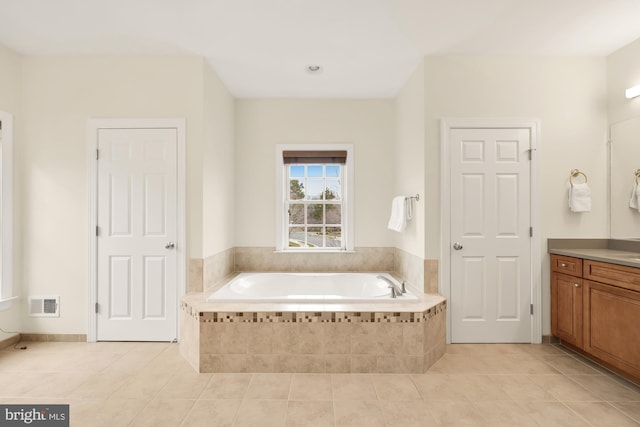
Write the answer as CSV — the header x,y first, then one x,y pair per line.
x,y
366,48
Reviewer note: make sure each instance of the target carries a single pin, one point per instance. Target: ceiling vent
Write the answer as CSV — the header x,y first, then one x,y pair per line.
x,y
44,306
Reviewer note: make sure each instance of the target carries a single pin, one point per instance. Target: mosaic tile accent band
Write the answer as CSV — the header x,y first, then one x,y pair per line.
x,y
316,317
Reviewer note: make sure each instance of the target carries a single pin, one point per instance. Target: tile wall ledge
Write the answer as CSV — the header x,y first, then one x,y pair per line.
x,y
197,303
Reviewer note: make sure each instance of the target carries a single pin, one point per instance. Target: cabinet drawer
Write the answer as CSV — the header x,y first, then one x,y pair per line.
x,y
566,265
613,274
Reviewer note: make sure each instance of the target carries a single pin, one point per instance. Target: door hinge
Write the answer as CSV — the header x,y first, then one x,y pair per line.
x,y
530,231
530,152
97,230
97,154
97,308
531,309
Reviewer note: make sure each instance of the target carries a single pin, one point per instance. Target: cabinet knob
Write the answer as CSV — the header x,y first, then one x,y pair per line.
x,y
577,285
563,265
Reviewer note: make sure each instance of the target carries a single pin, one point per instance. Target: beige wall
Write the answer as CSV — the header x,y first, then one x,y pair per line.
x,y
261,124
10,102
623,72
59,95
567,95
218,168
409,149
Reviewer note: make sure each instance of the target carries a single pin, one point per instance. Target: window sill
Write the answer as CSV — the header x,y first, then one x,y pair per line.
x,y
5,304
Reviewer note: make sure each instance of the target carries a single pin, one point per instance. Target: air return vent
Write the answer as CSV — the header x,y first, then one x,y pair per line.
x,y
44,306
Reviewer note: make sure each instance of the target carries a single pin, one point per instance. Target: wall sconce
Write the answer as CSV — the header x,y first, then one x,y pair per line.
x,y
632,92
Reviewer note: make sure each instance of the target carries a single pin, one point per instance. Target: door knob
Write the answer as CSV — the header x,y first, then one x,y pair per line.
x,y
170,245
457,246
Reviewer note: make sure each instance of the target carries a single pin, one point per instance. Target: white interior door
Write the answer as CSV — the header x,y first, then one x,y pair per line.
x,y
490,258
137,233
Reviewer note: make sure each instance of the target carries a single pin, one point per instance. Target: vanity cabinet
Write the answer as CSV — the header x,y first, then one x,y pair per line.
x,y
566,299
597,311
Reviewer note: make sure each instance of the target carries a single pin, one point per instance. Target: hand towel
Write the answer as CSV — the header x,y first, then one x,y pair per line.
x,y
634,202
580,198
398,220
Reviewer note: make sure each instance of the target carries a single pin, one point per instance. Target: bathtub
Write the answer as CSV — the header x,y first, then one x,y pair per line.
x,y
322,288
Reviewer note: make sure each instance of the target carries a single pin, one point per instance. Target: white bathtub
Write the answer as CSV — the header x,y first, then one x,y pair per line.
x,y
309,288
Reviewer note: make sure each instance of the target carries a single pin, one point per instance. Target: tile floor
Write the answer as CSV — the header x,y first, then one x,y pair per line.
x,y
149,384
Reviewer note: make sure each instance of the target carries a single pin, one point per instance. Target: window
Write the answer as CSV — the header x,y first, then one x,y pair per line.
x,y
6,135
314,212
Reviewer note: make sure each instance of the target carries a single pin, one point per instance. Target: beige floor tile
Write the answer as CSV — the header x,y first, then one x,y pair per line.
x,y
15,384
522,366
58,384
563,388
395,387
448,413
406,414
539,350
485,385
520,387
311,387
93,361
552,414
163,412
105,413
601,414
227,386
504,414
141,386
263,413
631,409
606,388
482,388
184,386
441,387
460,364
100,386
131,362
269,386
358,413
353,387
569,365
310,414
212,413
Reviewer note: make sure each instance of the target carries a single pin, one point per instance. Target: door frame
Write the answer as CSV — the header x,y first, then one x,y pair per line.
x,y
93,126
533,125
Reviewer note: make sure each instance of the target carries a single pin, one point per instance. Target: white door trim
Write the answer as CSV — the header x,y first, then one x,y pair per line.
x,y
445,209
93,126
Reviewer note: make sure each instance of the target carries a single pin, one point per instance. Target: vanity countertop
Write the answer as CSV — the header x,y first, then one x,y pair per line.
x,y
613,256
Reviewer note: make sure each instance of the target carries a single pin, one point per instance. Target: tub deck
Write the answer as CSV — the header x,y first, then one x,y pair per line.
x,y
316,338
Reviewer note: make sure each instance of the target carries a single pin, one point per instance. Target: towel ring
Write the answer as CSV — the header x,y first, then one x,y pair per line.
x,y
575,173
637,175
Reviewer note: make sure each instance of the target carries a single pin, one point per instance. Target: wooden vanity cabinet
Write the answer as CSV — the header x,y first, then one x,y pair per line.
x,y
566,299
598,313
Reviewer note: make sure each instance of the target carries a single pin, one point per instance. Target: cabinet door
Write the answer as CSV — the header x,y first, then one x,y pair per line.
x,y
611,325
566,308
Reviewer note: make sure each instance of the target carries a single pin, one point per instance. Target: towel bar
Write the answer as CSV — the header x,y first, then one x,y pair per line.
x,y
575,173
416,197
637,175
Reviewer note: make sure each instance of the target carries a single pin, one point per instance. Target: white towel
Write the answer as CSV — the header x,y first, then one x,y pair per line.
x,y
580,198
635,198
398,220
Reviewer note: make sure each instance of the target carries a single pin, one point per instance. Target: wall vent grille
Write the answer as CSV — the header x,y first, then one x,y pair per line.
x,y
44,306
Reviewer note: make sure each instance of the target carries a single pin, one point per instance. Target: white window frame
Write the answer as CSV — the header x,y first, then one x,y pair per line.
x,y
6,212
282,235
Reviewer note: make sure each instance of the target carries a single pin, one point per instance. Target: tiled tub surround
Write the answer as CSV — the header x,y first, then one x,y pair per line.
x,y
207,273
381,338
